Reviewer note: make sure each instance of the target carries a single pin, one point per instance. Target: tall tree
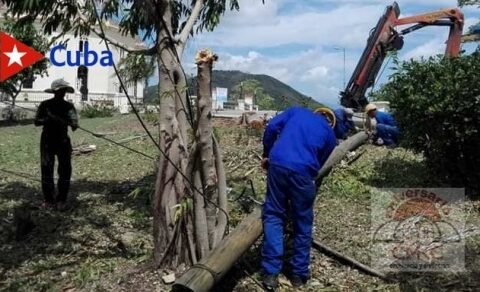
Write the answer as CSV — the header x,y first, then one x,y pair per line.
x,y
473,34
30,36
468,2
169,23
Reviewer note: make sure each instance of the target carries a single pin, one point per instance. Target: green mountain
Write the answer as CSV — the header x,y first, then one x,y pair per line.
x,y
270,93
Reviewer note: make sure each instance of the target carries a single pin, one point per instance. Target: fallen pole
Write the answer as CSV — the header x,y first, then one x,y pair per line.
x,y
202,276
352,262
340,151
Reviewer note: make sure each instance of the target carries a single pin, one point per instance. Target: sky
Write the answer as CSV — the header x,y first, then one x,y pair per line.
x,y
301,43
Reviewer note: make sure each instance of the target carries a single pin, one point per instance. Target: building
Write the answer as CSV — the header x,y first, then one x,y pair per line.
x,y
92,83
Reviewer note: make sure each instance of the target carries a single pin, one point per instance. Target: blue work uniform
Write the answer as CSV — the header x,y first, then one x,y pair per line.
x,y
343,124
297,143
386,128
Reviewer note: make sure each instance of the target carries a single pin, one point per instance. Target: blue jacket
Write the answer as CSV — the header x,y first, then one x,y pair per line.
x,y
385,118
300,140
343,125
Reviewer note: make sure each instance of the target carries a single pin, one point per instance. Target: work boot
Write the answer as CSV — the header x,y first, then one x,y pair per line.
x,y
296,280
270,282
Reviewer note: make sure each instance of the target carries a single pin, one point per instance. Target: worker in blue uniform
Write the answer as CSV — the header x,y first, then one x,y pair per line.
x,y
386,131
344,122
296,144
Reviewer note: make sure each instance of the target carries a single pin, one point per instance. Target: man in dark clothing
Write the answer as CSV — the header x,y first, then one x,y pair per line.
x,y
296,144
55,115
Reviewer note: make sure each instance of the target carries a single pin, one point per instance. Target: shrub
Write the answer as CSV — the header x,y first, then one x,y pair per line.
x,y
98,109
13,114
437,104
151,115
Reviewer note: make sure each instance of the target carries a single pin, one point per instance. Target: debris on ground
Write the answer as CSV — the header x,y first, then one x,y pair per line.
x,y
83,149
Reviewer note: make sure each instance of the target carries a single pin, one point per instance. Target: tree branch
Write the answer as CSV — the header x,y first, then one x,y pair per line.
x,y
192,19
84,18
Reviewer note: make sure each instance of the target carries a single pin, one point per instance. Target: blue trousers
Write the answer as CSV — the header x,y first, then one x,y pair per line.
x,y
287,193
388,134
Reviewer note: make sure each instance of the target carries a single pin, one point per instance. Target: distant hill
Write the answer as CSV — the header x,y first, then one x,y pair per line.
x,y
270,92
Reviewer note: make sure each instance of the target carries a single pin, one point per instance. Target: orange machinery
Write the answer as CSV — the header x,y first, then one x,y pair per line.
x,y
384,38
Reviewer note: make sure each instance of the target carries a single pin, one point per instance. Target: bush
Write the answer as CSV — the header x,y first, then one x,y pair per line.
x,y
151,115
437,104
100,109
14,114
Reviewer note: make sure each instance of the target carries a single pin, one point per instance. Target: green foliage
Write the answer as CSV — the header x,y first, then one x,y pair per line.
x,y
151,115
13,114
135,68
132,15
436,103
253,87
98,110
30,36
283,95
468,2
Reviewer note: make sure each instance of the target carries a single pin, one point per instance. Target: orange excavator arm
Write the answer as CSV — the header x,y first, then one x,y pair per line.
x,y
447,17
385,38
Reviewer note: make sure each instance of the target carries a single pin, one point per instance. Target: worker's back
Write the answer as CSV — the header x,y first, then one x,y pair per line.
x,y
343,125
63,111
305,141
385,118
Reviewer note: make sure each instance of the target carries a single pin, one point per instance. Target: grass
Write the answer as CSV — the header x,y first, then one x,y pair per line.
x,y
108,226
105,242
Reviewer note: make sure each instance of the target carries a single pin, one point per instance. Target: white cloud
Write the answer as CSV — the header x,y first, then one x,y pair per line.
x,y
315,73
346,26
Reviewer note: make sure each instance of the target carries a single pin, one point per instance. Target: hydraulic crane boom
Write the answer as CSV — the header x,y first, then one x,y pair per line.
x,y
384,38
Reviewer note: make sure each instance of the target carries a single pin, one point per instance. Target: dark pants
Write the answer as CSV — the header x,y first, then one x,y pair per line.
x,y
49,148
287,191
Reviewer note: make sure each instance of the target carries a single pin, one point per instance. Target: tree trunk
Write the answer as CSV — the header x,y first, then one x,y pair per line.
x,y
204,138
170,204
187,223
